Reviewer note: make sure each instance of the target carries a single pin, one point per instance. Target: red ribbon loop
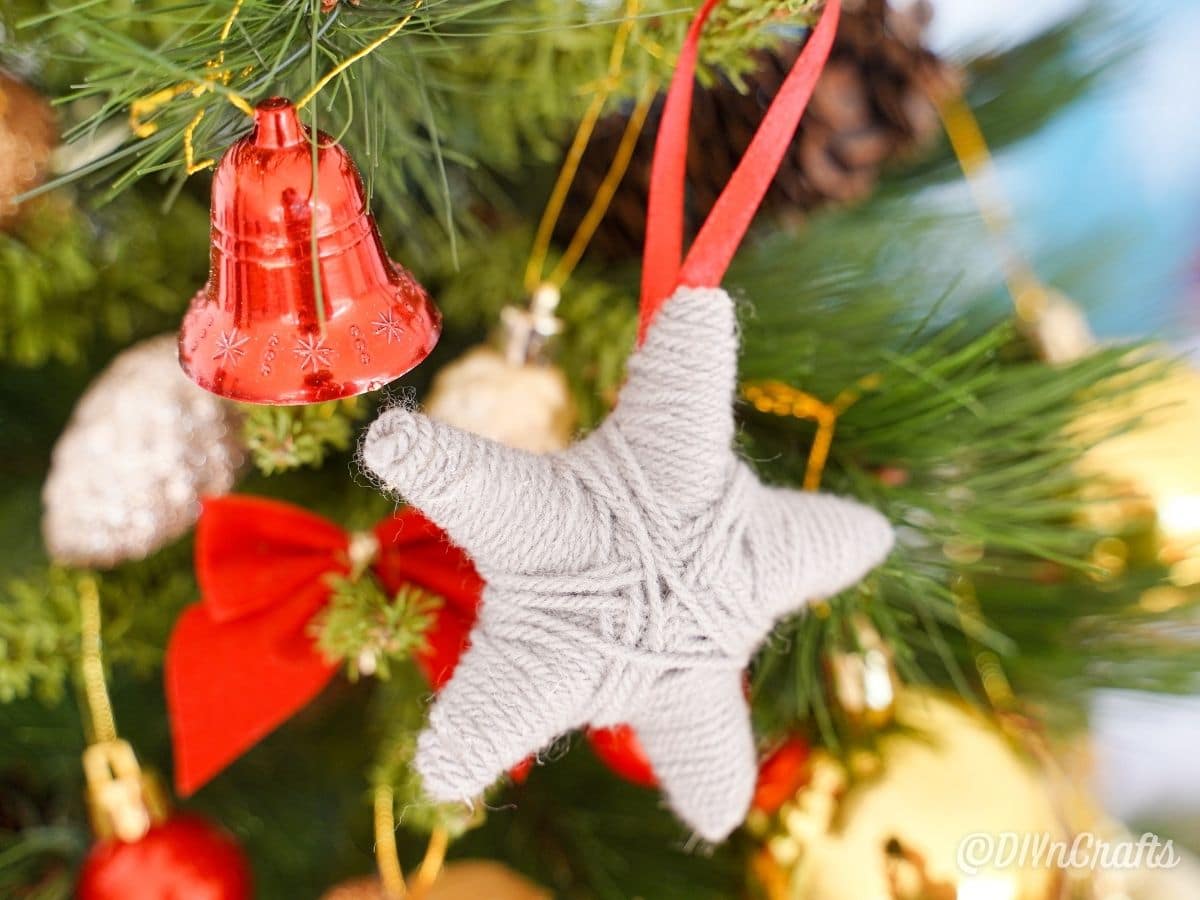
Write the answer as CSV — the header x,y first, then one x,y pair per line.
x,y
722,231
241,661
253,554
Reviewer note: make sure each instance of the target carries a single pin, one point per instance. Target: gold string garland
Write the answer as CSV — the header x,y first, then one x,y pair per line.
x,y
143,107
514,393
352,59
779,399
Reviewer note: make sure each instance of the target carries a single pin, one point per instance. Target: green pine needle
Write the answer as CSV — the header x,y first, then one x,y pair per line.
x,y
368,630
68,279
284,438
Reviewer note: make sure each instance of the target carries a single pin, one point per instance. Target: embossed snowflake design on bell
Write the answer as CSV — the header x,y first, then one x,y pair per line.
x,y
255,333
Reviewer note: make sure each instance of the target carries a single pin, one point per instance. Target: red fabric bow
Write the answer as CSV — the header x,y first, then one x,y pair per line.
x,y
241,661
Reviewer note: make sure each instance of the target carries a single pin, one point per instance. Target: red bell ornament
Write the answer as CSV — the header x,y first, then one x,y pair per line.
x,y
255,332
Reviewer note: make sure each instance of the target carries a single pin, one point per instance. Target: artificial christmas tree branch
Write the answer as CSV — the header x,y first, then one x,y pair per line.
x,y
283,438
266,49
40,625
968,440
69,281
1001,418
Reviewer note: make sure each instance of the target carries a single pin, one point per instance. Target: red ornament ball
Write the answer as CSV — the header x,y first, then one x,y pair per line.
x,y
619,748
183,858
781,774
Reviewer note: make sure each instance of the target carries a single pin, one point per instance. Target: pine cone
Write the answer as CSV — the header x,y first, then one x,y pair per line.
x,y
28,135
873,104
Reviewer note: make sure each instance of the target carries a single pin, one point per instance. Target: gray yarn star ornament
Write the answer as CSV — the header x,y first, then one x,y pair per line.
x,y
630,577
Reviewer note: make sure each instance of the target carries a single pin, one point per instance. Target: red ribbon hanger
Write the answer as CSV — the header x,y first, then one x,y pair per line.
x,y
722,231
664,267
241,661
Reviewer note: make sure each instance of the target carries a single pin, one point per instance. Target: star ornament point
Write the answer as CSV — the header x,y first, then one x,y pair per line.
x,y
630,577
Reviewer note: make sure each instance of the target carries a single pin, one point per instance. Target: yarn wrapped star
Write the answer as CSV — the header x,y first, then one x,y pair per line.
x,y
630,577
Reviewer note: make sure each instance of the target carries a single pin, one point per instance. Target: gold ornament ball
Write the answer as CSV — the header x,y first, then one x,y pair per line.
x,y
525,405
28,135
944,773
864,680
1180,882
1172,874
464,880
1153,467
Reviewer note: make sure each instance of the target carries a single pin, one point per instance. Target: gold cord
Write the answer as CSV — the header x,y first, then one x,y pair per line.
x,y
230,19
189,148
607,190
970,148
1030,299
100,714
570,167
353,58
781,399
431,865
142,107
387,858
391,876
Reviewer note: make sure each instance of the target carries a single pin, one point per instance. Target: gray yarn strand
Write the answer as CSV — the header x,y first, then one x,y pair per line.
x,y
630,577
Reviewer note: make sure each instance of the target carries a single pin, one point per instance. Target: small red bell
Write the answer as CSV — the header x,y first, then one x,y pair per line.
x,y
254,332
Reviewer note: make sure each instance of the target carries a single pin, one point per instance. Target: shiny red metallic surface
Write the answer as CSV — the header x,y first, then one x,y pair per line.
x,y
253,333
184,858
